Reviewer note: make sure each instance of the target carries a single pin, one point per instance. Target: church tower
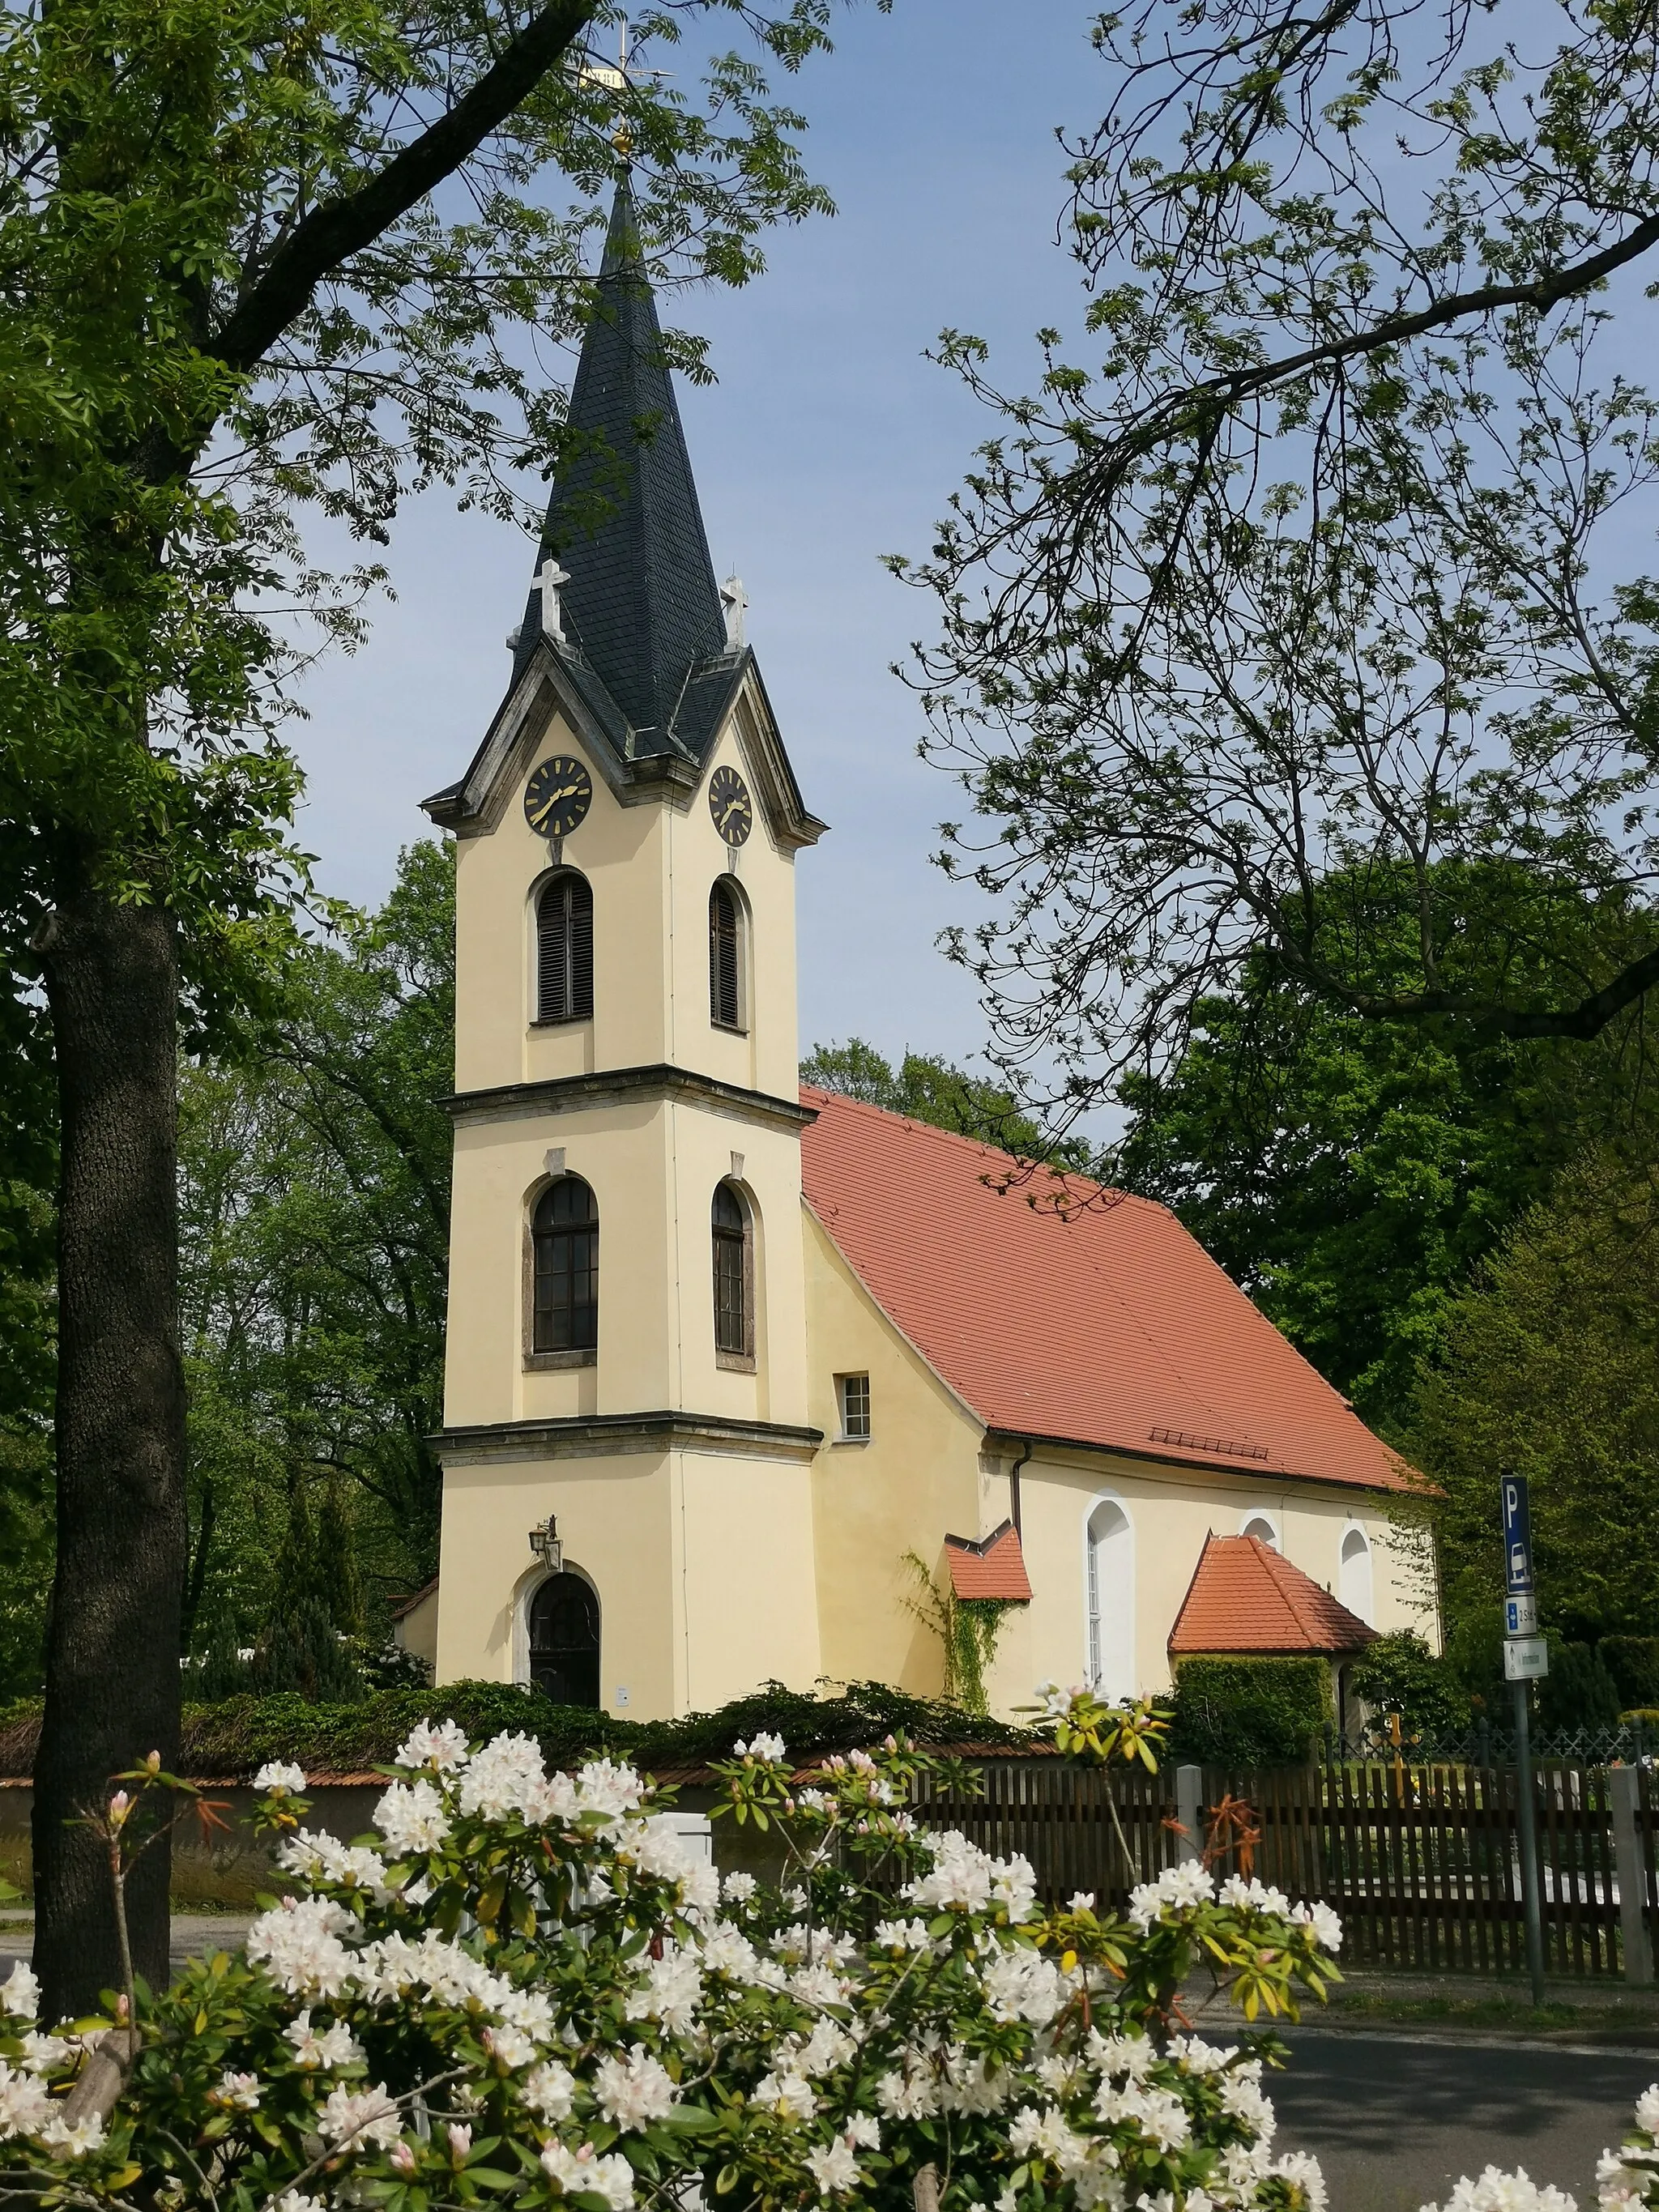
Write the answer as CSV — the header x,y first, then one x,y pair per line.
x,y
627,1358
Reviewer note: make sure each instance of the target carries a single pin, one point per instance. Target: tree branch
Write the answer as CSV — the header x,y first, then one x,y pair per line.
x,y
338,228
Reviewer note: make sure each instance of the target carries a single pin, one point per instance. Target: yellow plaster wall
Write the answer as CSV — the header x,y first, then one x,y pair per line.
x,y
703,1562
917,1478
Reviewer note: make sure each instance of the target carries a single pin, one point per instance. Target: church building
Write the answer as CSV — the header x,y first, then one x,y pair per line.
x,y
726,1357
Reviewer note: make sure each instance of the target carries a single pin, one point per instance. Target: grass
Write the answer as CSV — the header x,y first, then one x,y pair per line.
x,y
1612,2023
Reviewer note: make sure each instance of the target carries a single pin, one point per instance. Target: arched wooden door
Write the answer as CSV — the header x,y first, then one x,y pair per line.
x,y
564,1640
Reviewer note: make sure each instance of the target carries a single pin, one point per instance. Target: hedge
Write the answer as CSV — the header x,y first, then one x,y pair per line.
x,y
229,1741
1248,1712
1633,1663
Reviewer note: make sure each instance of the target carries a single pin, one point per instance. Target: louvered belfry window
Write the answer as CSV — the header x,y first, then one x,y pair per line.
x,y
565,1233
730,1226
725,924
564,950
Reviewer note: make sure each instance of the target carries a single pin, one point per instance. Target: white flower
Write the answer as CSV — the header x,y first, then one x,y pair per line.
x,y
634,2091
828,2047
819,1985
864,2129
1177,1889
1254,1896
20,1993
236,2092
1300,2168
1045,2135
278,1775
550,2091
529,2010
1023,1985
973,2083
354,2118
1647,2111
1326,1925
833,2168
1131,2055
725,1951
579,2173
509,2046
440,1748
73,2138
1243,2101
603,1786
671,1991
1055,1702
1158,2114
786,2092
294,2202
912,2095
333,2046
1195,2055
503,1777
902,1935
411,1817
763,1746
25,2106
1492,2192
41,2053
739,1887
352,1865
964,1878
298,1942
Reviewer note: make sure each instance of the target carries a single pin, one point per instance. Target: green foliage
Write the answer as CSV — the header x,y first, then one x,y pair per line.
x,y
315,1228
1248,1712
1633,1663
1578,1691
1350,1175
240,1735
930,1090
1552,1369
969,1631
302,1651
1399,1674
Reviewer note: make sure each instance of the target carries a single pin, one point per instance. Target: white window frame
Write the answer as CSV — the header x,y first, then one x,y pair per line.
x,y
848,1435
1368,1611
1094,1670
1261,1513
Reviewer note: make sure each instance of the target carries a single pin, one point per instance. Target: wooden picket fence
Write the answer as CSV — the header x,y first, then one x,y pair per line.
x,y
1422,1860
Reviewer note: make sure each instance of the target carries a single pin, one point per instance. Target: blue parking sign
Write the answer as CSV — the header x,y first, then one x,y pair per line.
x,y
1517,1536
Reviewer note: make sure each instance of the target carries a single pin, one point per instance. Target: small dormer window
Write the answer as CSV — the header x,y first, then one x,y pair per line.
x,y
724,958
564,949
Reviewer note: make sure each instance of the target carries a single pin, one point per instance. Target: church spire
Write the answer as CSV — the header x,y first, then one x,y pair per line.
x,y
639,602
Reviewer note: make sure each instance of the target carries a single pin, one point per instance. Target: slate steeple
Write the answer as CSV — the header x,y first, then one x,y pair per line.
x,y
640,607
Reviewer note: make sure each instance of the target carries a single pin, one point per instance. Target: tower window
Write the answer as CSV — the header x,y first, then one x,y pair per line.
x,y
724,958
733,1293
854,1391
564,949
566,1235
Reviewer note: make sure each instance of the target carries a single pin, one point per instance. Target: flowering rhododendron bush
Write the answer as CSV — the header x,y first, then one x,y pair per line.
x,y
524,1990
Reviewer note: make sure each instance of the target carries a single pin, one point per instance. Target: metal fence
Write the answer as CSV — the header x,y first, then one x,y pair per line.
x,y
1421,1857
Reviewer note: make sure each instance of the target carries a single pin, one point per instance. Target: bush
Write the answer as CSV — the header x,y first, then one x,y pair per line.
x,y
525,1993
1578,1691
1249,1712
1399,1674
1633,1663
233,1738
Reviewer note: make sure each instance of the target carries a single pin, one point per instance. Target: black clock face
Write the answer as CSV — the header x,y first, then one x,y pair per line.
x,y
729,804
557,797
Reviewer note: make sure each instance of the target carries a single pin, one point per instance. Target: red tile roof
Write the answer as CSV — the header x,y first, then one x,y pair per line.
x,y
1244,1598
1112,1328
994,1567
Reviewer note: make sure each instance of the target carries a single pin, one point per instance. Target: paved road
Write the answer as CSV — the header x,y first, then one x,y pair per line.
x,y
1394,2119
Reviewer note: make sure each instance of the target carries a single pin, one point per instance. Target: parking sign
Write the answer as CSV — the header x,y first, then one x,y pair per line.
x,y
1517,1536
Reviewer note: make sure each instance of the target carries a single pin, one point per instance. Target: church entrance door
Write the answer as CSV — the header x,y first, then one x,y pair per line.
x,y
564,1640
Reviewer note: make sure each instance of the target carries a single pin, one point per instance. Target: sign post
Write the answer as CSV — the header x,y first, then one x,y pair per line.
x,y
1525,1659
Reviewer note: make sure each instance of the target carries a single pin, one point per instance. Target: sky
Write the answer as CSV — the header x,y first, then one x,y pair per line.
x,y
827,442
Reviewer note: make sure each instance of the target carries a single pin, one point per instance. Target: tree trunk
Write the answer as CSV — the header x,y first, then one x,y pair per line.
x,y
123,1540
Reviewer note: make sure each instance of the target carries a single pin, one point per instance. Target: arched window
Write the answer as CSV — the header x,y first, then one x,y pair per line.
x,y
724,958
1111,1572
564,949
564,1640
1260,1525
734,1334
1356,1578
565,1233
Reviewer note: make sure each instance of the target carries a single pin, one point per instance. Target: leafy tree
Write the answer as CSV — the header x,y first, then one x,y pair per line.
x,y
1552,1369
933,1090
261,254
1399,1674
1296,611
1578,1691
1351,1174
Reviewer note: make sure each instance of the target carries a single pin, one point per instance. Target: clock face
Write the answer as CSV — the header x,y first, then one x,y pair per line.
x,y
730,804
557,797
